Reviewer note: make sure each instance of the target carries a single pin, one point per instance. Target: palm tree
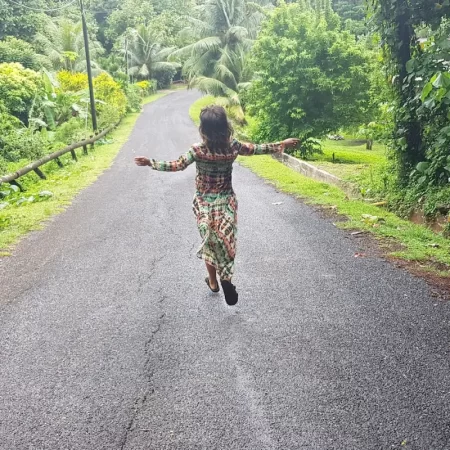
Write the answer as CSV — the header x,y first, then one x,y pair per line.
x,y
61,41
216,62
146,55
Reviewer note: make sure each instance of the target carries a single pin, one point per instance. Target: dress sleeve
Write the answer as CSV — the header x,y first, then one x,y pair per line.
x,y
259,149
176,165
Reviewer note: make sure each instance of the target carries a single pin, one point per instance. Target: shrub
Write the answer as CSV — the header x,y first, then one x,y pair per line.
x,y
164,77
134,96
148,86
144,85
18,87
73,82
24,143
70,131
110,115
8,125
18,51
109,91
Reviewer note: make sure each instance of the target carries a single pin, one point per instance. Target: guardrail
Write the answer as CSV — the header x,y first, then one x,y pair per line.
x,y
34,166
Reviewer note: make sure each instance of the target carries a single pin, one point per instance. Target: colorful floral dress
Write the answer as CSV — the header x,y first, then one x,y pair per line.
x,y
215,204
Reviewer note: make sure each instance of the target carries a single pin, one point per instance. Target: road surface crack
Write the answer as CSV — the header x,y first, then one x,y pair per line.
x,y
140,402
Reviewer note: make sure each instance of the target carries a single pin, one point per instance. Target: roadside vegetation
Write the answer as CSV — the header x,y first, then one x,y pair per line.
x,y
373,72
43,199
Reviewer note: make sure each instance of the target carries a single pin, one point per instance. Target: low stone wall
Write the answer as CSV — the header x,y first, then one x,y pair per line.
x,y
317,174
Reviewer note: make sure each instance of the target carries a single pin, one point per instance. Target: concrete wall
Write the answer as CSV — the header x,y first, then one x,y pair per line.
x,y
317,174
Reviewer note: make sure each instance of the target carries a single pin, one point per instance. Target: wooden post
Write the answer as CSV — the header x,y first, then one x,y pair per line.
x,y
85,150
11,177
16,183
40,174
334,160
60,164
74,155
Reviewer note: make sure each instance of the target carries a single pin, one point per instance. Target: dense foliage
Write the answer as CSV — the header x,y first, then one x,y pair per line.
x,y
415,34
377,69
313,78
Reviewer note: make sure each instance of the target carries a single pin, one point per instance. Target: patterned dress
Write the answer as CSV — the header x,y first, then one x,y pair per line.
x,y
215,204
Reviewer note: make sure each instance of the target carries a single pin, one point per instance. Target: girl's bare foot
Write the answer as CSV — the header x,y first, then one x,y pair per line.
x,y
213,285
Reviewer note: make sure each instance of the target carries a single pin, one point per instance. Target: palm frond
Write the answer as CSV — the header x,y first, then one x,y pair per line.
x,y
199,47
224,74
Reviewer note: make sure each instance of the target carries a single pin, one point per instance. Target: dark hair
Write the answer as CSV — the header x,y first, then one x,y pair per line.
x,y
215,129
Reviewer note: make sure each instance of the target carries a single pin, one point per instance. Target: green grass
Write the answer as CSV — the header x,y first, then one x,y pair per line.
x,y
417,242
64,184
154,97
351,162
196,107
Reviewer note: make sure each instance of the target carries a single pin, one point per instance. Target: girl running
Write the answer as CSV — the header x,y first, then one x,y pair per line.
x,y
215,203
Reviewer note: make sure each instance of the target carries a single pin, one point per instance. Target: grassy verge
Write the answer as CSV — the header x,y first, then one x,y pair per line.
x,y
154,97
417,242
350,161
196,107
23,215
412,242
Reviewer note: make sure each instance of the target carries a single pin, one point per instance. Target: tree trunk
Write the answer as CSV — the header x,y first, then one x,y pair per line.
x,y
369,144
412,152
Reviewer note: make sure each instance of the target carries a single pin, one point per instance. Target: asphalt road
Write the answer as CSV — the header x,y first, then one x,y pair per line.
x,y
110,339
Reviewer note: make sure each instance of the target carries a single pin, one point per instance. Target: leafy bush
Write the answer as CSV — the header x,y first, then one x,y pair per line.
x,y
134,96
164,76
18,87
24,143
110,115
70,132
8,125
72,81
18,51
3,165
109,91
147,86
307,148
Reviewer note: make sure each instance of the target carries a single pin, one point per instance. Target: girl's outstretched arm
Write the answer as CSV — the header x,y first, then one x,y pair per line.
x,y
167,166
264,149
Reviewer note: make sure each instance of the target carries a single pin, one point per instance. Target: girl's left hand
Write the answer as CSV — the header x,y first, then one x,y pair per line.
x,y
142,161
291,142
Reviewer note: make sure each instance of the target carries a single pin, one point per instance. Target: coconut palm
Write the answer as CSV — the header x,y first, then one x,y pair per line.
x,y
146,55
61,41
224,32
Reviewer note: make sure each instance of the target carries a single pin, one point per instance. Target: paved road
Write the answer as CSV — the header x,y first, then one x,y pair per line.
x,y
110,340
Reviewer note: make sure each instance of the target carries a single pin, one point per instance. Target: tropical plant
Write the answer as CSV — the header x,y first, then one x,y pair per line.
x,y
216,62
17,50
18,88
62,42
129,14
147,57
19,21
110,95
400,24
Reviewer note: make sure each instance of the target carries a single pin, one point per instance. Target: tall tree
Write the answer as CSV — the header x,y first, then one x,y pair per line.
x,y
147,57
223,31
312,79
21,21
398,22
61,41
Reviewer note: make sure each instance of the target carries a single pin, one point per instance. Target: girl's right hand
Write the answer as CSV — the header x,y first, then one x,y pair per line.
x,y
142,161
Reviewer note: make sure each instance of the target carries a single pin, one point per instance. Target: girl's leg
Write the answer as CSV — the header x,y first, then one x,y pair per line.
x,y
212,276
